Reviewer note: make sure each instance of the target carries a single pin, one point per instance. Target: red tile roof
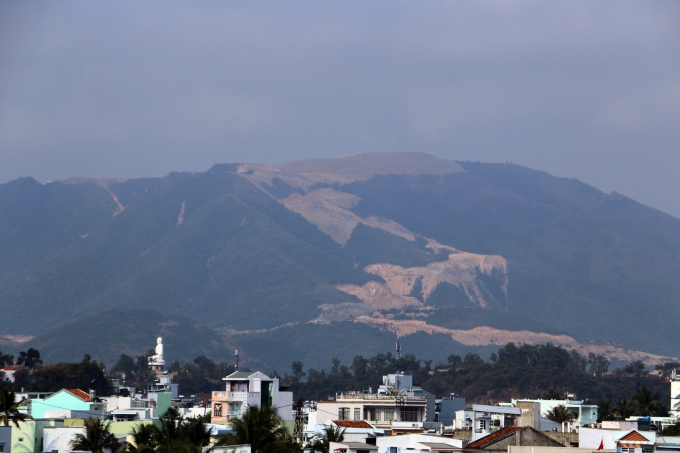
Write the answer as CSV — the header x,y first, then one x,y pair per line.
x,y
80,394
10,368
352,424
634,436
493,437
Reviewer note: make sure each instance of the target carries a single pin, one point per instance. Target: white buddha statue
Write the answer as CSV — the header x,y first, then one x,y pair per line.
x,y
158,358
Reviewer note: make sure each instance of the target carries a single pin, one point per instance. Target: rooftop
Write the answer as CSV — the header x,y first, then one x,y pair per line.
x,y
493,437
352,424
80,394
240,374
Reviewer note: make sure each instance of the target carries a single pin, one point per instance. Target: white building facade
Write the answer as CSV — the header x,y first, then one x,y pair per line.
x,y
249,388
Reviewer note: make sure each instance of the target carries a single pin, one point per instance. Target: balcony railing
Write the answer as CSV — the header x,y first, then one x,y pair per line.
x,y
235,396
135,404
377,397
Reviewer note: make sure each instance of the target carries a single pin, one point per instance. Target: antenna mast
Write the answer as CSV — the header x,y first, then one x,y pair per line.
x,y
398,355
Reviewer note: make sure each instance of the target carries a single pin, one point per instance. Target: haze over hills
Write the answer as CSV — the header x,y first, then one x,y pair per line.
x,y
289,260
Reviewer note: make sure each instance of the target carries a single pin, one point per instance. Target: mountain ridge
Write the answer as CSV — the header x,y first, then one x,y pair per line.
x,y
249,248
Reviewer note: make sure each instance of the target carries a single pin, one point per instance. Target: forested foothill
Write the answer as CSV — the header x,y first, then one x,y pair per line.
x,y
525,371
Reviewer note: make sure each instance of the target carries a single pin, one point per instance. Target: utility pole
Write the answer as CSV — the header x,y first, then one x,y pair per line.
x,y
297,431
236,354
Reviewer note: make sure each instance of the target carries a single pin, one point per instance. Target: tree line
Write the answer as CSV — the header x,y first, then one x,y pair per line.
x,y
513,371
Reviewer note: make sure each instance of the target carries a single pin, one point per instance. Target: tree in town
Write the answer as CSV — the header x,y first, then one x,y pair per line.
x,y
262,429
321,443
604,410
97,438
624,409
9,410
645,401
552,394
143,438
560,414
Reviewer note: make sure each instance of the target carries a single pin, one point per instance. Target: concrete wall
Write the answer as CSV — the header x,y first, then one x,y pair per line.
x,y
58,438
448,409
516,449
23,437
525,438
566,439
6,438
591,437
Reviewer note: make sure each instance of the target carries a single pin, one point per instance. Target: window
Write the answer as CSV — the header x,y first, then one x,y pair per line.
x,y
357,413
392,450
343,413
217,409
409,414
389,414
369,414
647,449
2,447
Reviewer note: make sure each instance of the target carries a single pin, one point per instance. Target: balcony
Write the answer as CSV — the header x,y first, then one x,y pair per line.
x,y
137,404
377,397
243,397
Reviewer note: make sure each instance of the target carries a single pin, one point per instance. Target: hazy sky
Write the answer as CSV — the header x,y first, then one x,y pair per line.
x,y
127,89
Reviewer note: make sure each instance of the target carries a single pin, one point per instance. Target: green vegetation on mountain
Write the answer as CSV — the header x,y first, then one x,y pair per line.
x,y
371,245
209,246
107,335
222,250
578,259
526,371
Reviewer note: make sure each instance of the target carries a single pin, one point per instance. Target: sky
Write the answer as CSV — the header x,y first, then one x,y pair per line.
x,y
589,90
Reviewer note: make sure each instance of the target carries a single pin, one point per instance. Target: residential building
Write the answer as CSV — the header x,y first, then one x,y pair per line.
x,y
585,413
446,408
522,436
483,419
417,442
57,438
592,437
5,439
250,388
396,403
67,403
636,442
351,447
8,373
675,395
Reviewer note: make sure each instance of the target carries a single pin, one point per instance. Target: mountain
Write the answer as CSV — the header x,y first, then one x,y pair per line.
x,y
133,331
326,257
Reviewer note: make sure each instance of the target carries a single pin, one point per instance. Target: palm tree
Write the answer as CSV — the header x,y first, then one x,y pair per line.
x,y
321,444
604,410
560,414
9,408
645,400
97,437
262,429
624,409
144,438
552,394
195,431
